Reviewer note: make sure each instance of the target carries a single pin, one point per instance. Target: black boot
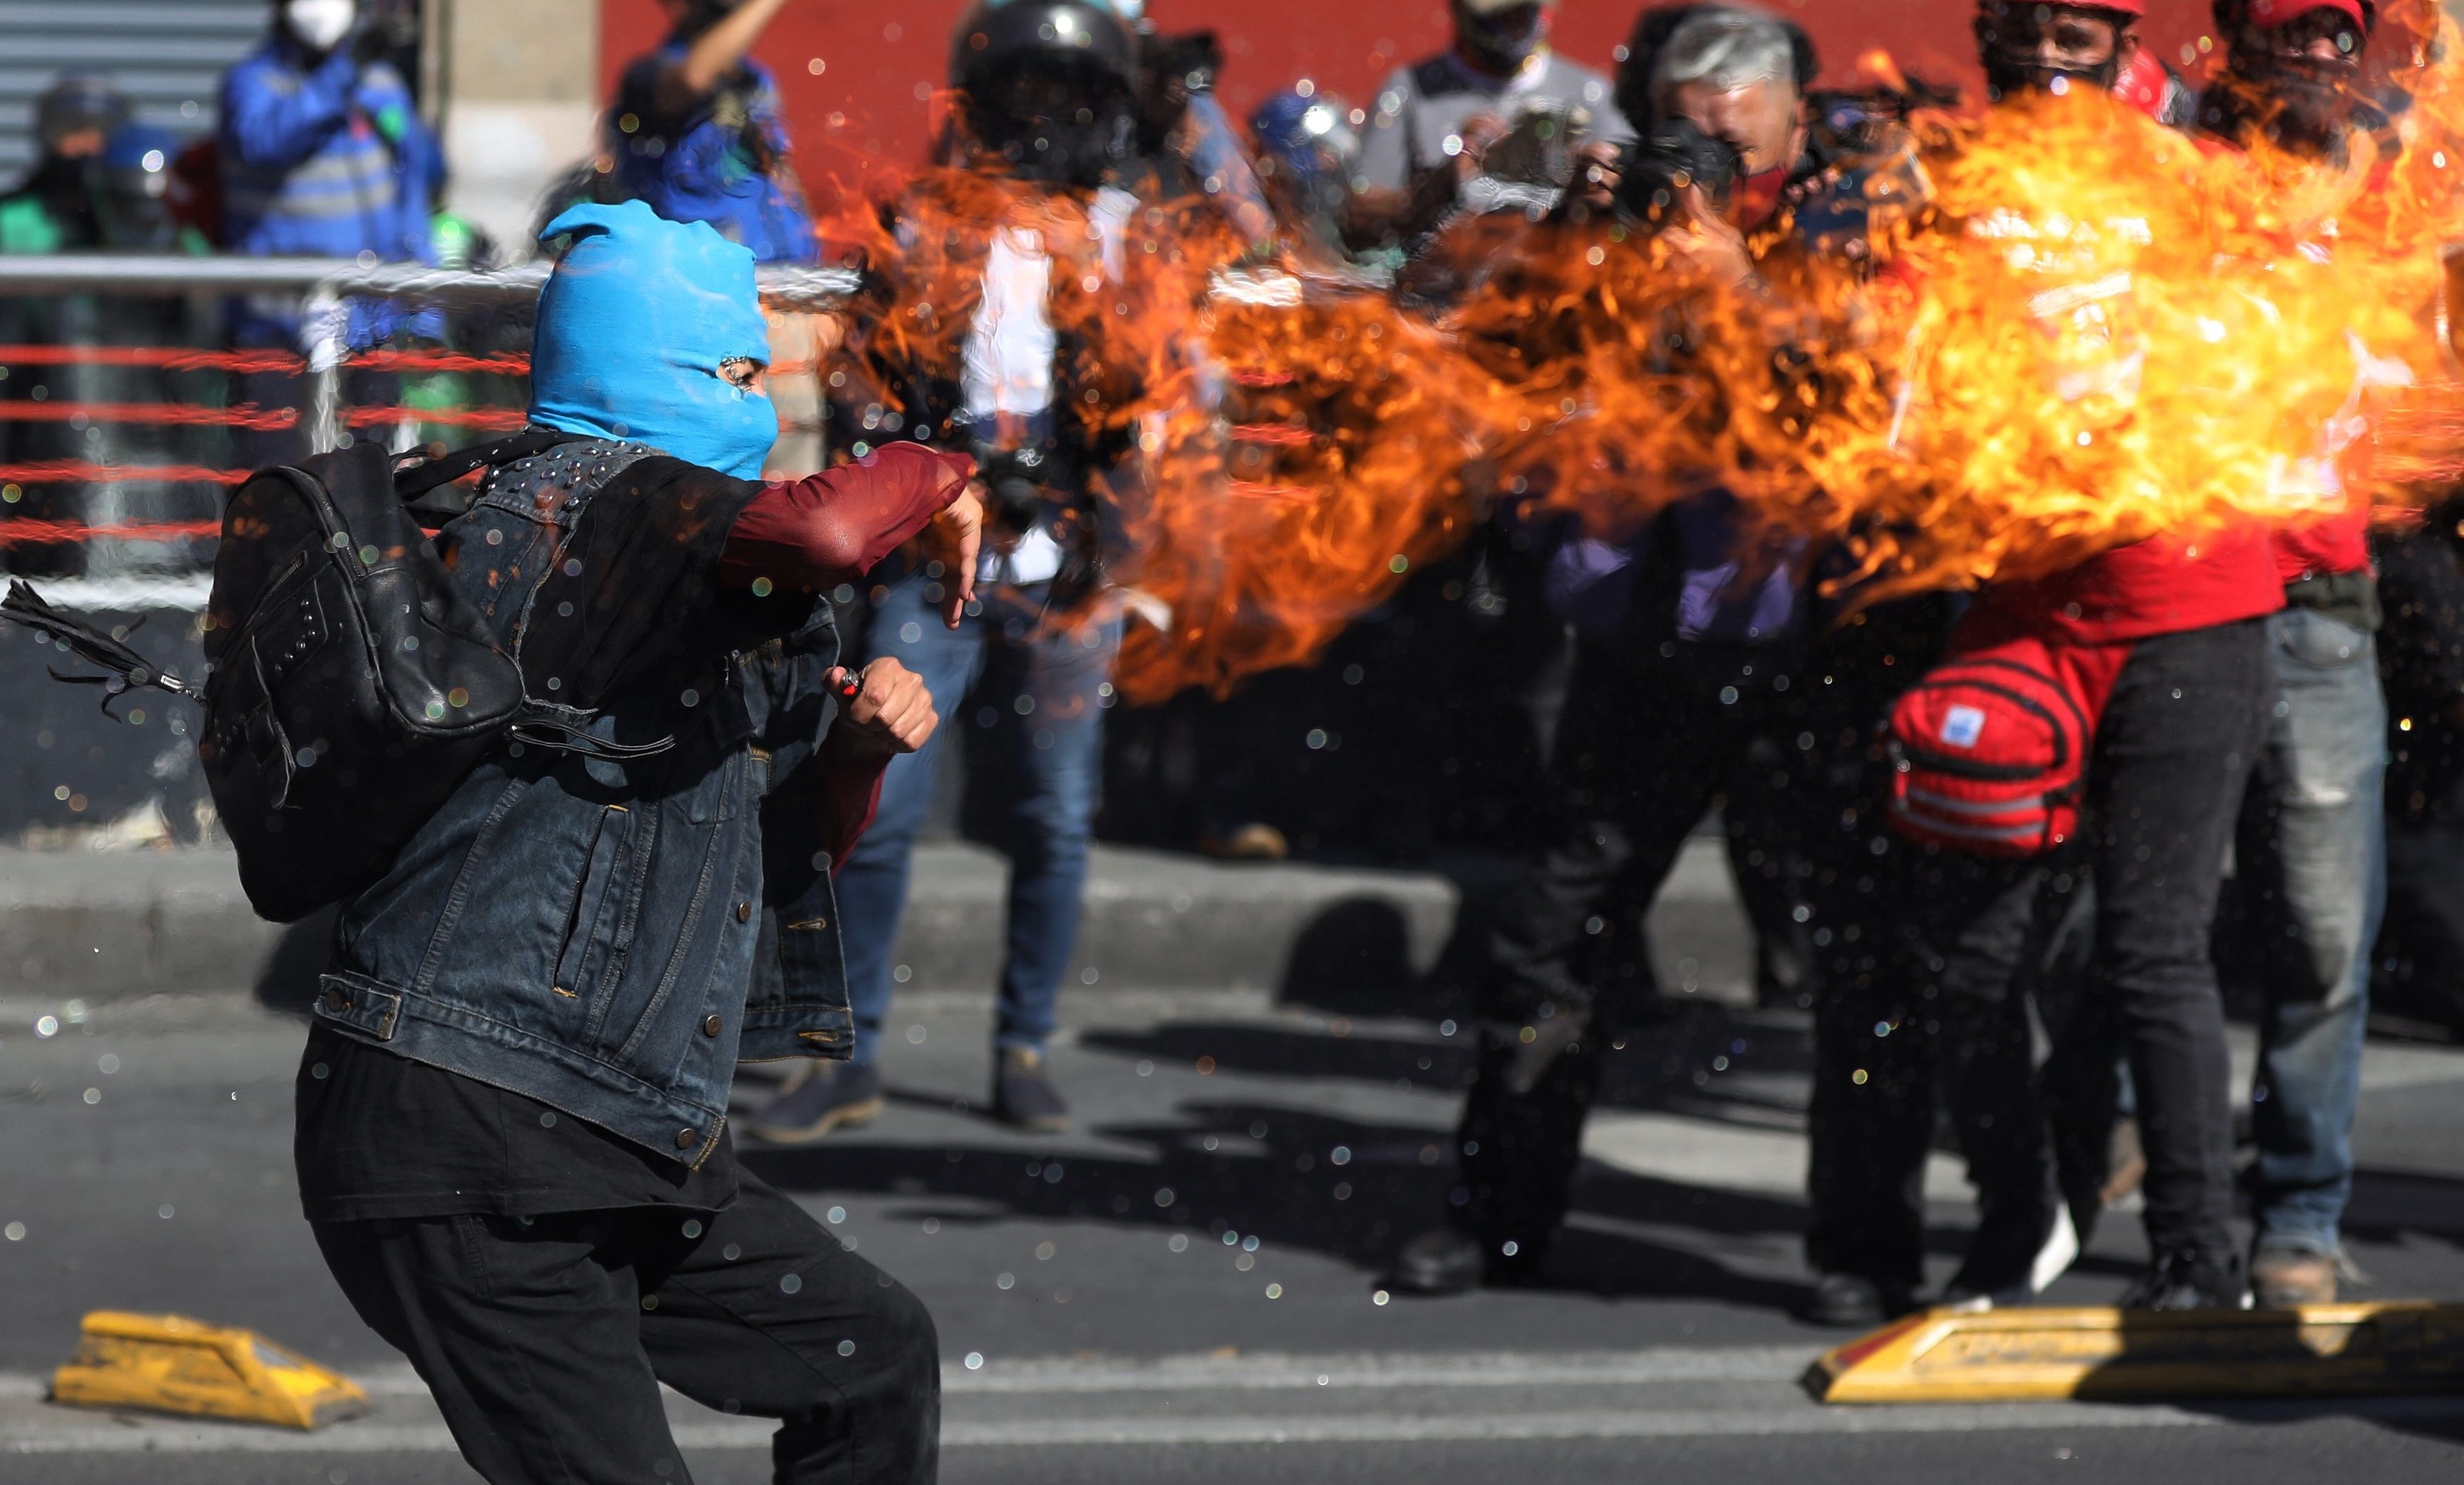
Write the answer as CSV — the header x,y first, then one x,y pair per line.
x,y
2185,1281
1851,1301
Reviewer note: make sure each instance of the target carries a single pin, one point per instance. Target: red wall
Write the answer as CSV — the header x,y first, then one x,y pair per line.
x,y
872,59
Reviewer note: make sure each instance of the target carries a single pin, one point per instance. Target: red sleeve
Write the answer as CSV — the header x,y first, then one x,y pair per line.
x,y
831,527
851,796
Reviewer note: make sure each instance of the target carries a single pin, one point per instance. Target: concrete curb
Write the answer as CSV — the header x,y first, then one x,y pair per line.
x,y
105,926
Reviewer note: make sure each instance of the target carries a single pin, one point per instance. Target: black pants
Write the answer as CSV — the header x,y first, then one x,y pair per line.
x,y
2171,757
1645,748
2420,954
545,1340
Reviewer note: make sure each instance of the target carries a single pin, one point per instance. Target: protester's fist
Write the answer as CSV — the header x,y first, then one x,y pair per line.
x,y
890,713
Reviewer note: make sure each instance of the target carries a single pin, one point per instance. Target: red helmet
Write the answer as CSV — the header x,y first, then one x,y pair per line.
x,y
2271,14
2134,8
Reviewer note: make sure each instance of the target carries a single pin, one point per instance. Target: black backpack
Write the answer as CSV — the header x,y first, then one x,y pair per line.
x,y
350,688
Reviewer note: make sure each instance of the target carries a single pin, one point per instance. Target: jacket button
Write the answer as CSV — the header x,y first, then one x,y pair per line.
x,y
685,1139
335,1002
745,911
710,1027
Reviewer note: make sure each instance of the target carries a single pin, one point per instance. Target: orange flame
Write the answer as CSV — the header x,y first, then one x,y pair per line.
x,y
2069,329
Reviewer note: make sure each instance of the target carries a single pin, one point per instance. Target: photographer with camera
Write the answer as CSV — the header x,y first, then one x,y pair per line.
x,y
1424,152
1047,124
1692,673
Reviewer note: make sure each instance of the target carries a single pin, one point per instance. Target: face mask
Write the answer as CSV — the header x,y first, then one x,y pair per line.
x,y
2007,76
2303,103
633,327
320,25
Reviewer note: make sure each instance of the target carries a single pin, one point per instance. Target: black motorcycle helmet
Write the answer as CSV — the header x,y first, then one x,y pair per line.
x,y
1049,89
82,106
133,182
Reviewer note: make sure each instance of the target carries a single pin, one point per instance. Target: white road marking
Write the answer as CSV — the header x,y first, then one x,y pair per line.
x,y
1759,1401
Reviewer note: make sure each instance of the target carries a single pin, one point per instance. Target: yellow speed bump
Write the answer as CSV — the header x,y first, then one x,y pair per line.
x,y
169,1364
2031,1354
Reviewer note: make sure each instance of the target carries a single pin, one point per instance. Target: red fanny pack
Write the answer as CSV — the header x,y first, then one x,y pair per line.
x,y
1989,751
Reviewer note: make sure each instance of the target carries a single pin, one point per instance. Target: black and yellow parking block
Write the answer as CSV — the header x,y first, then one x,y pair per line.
x,y
2028,1355
169,1364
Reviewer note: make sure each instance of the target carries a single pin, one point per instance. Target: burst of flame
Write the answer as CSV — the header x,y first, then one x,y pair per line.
x,y
2070,329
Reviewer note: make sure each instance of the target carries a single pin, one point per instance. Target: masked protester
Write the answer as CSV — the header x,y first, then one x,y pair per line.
x,y
2162,647
323,149
51,209
1697,676
2032,48
2292,74
1047,121
550,986
323,154
698,131
2309,857
1433,121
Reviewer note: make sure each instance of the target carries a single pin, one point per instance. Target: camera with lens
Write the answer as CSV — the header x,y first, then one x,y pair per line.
x,y
1656,171
1020,483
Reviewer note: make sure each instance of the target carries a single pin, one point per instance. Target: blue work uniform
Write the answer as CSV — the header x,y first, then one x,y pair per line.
x,y
327,157
723,161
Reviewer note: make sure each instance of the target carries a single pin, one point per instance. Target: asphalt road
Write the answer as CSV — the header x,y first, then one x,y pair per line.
x,y
1185,1286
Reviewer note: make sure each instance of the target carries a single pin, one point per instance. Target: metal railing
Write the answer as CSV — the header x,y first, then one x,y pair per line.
x,y
326,287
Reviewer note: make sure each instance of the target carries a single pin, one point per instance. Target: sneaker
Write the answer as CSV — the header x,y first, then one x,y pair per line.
x,y
1024,1094
1851,1301
1444,1261
819,1098
1254,841
2287,1278
1990,1279
2184,1280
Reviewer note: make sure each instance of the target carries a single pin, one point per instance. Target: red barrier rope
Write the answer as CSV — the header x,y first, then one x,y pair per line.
x,y
489,419
170,358
508,364
18,533
169,414
1272,434
78,472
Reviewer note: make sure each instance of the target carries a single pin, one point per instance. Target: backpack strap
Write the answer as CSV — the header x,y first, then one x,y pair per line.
x,y
564,729
420,478
123,667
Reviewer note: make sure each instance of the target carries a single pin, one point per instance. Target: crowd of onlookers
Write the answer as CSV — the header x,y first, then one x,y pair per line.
x,y
2292,700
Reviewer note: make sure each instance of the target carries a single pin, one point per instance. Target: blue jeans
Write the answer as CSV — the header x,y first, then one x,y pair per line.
x,y
2313,850
1029,700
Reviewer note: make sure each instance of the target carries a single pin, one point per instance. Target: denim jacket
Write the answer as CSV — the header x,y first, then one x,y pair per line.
x,y
585,932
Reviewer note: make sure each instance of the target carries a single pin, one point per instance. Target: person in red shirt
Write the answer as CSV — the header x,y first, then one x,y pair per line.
x,y
2310,854
2174,631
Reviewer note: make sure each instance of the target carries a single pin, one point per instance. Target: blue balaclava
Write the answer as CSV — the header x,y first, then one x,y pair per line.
x,y
632,327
